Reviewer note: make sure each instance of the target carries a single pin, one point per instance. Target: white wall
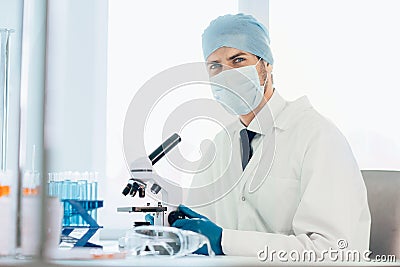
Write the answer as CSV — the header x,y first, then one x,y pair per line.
x,y
257,8
75,111
344,55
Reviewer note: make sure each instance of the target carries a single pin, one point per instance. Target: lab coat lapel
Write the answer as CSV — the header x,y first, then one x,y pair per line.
x,y
265,124
261,162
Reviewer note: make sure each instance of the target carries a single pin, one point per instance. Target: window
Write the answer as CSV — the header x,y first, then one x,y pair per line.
x,y
344,56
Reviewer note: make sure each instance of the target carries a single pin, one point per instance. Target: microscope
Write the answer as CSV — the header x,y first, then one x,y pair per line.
x,y
142,176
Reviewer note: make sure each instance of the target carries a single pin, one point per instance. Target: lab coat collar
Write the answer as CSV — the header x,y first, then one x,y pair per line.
x,y
266,118
277,113
292,112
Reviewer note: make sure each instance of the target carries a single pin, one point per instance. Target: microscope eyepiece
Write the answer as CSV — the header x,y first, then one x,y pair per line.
x,y
131,188
128,187
142,192
135,188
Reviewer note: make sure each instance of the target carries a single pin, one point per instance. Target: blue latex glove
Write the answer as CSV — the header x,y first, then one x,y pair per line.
x,y
202,225
149,218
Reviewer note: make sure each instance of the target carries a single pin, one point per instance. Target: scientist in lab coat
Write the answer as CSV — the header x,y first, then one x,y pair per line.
x,y
296,184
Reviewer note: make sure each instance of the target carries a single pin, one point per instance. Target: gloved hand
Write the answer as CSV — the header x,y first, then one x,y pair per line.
x,y
202,225
149,218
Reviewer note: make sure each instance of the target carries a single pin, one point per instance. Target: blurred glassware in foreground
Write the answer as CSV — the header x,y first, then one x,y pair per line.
x,y
162,241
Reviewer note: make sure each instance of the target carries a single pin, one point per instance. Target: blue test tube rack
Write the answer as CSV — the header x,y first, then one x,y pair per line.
x,y
82,209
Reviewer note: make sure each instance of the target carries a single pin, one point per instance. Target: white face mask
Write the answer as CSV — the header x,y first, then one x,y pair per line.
x,y
238,90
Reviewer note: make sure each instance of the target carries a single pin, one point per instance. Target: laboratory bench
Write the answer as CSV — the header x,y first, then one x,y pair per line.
x,y
190,260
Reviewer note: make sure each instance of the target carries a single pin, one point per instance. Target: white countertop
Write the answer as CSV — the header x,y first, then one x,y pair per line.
x,y
190,260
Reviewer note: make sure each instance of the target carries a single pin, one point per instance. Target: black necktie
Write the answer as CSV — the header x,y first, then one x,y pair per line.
x,y
246,136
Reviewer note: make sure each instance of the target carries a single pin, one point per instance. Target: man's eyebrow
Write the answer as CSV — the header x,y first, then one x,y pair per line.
x,y
230,58
236,55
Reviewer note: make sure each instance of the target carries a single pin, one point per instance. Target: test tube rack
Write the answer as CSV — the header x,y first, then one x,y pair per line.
x,y
81,209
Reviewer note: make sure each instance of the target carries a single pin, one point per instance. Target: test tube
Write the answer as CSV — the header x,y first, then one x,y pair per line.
x,y
7,220
93,176
50,184
31,179
74,190
30,183
4,184
66,189
57,185
66,194
83,188
74,195
93,185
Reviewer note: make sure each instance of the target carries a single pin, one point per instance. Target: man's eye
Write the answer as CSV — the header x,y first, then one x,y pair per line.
x,y
238,60
215,66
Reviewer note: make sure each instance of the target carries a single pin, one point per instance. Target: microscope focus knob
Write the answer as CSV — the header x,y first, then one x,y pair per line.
x,y
155,188
174,216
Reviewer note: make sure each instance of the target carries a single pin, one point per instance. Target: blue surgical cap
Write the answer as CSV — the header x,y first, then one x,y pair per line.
x,y
239,31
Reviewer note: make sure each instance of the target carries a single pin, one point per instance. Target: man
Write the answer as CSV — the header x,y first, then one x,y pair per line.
x,y
298,185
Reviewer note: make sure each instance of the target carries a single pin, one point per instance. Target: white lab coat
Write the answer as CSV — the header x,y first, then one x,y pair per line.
x,y
314,193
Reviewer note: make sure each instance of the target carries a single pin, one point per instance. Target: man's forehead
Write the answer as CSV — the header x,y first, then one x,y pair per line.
x,y
226,53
